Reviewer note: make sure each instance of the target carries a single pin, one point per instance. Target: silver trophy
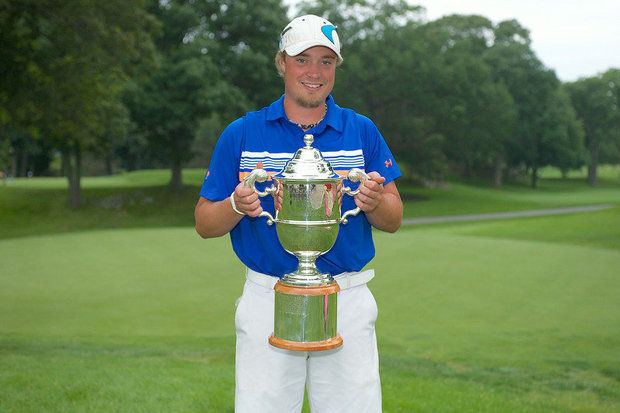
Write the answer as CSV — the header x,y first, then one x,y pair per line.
x,y
308,220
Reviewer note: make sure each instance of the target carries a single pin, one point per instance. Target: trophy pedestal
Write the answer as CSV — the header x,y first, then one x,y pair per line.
x,y
305,317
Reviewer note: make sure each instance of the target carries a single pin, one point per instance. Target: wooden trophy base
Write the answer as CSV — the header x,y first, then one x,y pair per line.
x,y
305,317
328,344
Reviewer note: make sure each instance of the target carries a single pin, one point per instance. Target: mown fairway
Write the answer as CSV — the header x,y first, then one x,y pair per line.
x,y
506,316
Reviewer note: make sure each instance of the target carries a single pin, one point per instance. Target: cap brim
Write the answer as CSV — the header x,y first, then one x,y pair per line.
x,y
295,49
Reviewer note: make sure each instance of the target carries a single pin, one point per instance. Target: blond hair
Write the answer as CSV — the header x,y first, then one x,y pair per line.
x,y
279,57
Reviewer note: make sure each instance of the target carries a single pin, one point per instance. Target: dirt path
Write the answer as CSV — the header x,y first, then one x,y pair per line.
x,y
504,215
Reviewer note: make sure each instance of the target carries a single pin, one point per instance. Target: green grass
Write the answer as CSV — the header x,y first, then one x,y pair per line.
x,y
134,200
504,316
136,179
145,376
459,198
142,320
596,229
141,199
129,320
604,172
474,197
534,323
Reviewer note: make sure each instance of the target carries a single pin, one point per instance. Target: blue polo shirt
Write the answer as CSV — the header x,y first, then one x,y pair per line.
x,y
267,139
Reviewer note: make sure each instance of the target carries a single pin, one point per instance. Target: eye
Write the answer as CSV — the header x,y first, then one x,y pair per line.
x,y
327,62
301,60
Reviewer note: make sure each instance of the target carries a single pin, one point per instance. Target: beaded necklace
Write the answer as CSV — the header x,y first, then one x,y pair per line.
x,y
311,125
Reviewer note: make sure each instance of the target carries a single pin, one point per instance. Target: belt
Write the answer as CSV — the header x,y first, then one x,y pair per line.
x,y
345,280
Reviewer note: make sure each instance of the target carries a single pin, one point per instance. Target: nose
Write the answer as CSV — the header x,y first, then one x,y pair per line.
x,y
314,70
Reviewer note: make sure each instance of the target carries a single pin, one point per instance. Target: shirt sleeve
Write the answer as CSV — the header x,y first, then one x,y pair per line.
x,y
377,154
223,174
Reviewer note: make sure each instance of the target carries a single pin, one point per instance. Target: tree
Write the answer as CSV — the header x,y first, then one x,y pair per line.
x,y
402,106
5,154
116,128
21,83
562,140
212,57
610,150
76,56
532,87
477,114
596,102
168,105
246,32
379,41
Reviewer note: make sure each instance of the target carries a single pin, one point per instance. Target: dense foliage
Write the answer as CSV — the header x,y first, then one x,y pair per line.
x,y
152,83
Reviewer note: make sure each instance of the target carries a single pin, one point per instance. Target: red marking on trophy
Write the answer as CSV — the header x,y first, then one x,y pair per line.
x,y
325,309
328,199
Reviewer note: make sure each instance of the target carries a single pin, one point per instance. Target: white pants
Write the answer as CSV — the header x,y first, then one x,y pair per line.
x,y
269,379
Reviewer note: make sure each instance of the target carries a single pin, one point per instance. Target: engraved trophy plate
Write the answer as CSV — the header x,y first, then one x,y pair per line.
x,y
307,226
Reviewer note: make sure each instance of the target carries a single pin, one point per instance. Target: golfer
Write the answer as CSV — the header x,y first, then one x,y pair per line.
x,y
270,379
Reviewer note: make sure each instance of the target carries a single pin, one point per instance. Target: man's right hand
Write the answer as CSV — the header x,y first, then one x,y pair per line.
x,y
246,200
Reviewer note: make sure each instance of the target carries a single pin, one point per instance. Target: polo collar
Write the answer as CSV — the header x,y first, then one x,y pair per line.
x,y
333,118
334,114
275,111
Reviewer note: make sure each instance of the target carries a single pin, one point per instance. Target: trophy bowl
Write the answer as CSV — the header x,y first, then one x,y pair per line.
x,y
308,224
308,220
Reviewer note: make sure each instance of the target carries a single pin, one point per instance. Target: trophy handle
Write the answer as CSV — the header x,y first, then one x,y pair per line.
x,y
354,175
260,175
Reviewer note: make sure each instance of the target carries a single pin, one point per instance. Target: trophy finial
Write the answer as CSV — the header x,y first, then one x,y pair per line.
x,y
308,139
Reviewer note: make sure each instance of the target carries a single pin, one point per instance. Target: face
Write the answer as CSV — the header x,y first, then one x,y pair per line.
x,y
309,76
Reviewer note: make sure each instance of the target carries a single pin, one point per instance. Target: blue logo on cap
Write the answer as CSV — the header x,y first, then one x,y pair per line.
x,y
327,30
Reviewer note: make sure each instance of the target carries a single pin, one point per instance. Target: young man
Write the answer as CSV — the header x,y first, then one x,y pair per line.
x,y
270,379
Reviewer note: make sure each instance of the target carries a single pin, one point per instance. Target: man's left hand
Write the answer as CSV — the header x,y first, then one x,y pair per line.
x,y
371,193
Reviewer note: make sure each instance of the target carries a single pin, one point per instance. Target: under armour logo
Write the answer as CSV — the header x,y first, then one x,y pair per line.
x,y
388,163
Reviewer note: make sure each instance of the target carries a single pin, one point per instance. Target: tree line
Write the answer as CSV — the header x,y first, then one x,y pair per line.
x,y
151,83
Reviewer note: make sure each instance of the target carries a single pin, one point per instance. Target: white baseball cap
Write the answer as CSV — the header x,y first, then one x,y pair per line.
x,y
308,31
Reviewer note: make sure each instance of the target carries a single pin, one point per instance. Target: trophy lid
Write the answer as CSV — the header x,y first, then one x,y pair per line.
x,y
308,163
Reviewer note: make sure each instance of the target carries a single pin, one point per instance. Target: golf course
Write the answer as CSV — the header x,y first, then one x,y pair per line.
x,y
119,306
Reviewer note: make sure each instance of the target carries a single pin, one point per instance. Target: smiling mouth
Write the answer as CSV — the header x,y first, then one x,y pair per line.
x,y
312,86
